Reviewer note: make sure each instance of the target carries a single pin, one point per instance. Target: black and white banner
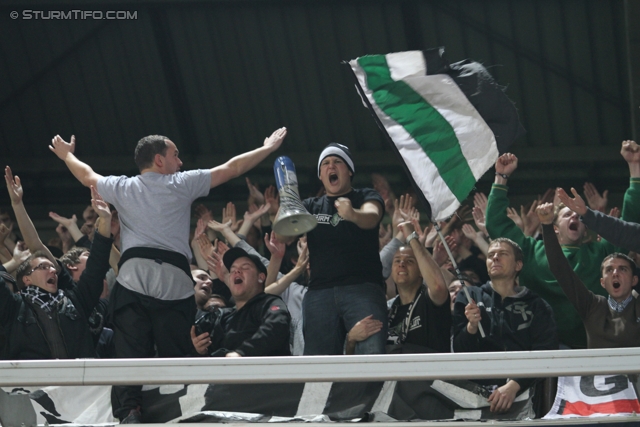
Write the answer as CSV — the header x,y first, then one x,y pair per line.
x,y
325,402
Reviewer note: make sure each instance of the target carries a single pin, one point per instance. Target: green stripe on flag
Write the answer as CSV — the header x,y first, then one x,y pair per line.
x,y
422,121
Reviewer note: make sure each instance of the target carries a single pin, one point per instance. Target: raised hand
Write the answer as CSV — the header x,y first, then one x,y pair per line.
x,y
529,218
479,219
229,215
14,186
276,247
440,255
614,212
255,196
515,217
252,217
215,264
61,148
596,201
407,228
65,222
271,198
221,248
480,201
506,164
206,248
218,226
201,226
21,252
99,205
545,213
202,212
274,141
576,204
630,151
469,232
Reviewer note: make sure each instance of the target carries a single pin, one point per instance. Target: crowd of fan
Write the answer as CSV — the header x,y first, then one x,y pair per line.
x,y
373,277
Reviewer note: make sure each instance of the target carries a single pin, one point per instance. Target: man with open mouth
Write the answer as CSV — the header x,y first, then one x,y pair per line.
x,y
49,317
259,323
584,257
611,321
346,283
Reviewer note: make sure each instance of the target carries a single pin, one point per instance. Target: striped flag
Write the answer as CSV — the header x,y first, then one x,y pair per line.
x,y
448,122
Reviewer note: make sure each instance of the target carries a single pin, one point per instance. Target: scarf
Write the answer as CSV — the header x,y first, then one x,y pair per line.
x,y
47,301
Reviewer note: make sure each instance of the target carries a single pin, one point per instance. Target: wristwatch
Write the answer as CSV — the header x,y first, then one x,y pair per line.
x,y
410,237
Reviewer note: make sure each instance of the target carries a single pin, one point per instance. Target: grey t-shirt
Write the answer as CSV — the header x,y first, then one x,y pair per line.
x,y
155,212
155,209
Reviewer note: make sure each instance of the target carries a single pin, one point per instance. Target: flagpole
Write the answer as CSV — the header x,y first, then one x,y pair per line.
x,y
457,270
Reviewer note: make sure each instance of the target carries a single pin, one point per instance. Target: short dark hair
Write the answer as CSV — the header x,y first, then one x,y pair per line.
x,y
24,269
632,263
147,149
517,250
72,257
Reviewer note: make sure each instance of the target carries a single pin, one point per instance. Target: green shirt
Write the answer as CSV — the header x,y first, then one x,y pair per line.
x,y
585,260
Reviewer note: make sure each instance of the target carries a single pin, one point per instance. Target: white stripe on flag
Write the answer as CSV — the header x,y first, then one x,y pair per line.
x,y
406,64
383,401
443,202
445,96
314,398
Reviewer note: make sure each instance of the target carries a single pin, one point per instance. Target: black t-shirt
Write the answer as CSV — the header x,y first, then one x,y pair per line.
x,y
340,252
428,326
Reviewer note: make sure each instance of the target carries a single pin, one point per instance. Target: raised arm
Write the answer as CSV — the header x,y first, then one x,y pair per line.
x,y
20,254
104,213
82,171
251,217
430,271
497,222
247,161
631,206
225,230
280,285
71,224
31,238
277,250
575,290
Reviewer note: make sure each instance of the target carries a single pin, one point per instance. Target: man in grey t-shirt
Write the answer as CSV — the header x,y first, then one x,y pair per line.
x,y
152,302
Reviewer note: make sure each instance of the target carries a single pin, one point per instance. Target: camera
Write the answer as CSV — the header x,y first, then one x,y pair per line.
x,y
204,324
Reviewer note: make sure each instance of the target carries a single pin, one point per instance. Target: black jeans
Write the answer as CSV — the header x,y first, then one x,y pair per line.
x,y
146,327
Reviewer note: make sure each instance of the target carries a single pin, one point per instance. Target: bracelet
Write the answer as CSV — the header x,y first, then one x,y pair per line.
x,y
504,175
411,237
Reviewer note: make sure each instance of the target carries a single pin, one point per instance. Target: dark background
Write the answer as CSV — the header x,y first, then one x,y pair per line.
x,y
217,77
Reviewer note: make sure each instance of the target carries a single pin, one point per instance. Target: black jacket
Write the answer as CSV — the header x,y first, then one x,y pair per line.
x,y
25,339
259,328
523,322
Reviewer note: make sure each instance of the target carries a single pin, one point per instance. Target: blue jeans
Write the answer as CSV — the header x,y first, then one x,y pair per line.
x,y
329,314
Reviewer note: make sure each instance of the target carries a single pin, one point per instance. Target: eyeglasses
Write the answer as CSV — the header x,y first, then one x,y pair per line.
x,y
42,266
